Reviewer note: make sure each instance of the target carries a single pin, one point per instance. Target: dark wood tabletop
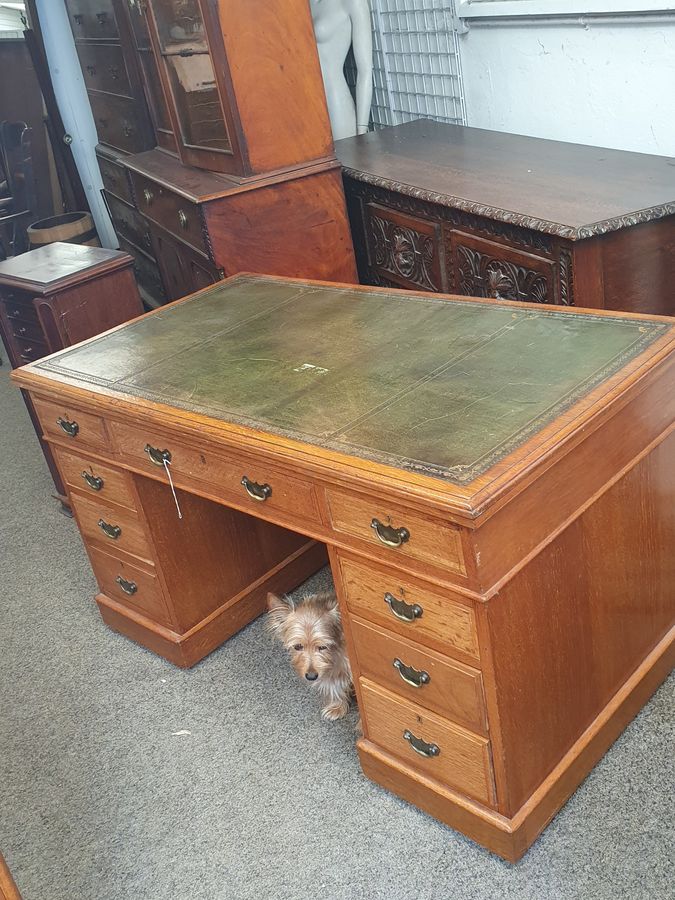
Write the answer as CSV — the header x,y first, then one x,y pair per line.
x,y
572,190
55,265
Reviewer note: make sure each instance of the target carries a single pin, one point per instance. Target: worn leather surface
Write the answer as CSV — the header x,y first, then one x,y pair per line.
x,y
447,388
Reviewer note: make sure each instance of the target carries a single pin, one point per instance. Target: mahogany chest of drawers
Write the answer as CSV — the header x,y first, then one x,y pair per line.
x,y
59,295
501,543
448,208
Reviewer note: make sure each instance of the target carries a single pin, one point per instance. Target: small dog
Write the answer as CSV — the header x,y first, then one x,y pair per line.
x,y
311,631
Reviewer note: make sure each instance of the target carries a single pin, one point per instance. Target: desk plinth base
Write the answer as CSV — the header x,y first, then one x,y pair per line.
x,y
511,838
187,649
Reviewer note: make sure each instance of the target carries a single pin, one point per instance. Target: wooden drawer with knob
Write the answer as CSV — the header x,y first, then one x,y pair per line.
x,y
104,69
93,477
129,224
69,423
128,584
413,609
119,121
173,212
27,331
435,682
246,481
112,527
29,350
92,19
115,178
395,531
20,306
433,745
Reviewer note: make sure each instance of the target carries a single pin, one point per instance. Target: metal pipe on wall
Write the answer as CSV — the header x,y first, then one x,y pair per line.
x,y
71,95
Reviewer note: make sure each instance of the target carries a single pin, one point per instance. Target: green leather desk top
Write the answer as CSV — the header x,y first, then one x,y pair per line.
x,y
444,388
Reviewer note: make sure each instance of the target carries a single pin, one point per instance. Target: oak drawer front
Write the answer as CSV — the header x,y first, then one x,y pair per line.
x,y
127,584
422,676
119,121
20,306
179,216
265,486
444,751
92,19
404,249
130,224
115,179
482,268
410,608
112,527
397,531
69,423
104,69
92,477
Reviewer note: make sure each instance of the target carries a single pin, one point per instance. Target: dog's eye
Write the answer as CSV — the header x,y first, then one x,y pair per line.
x,y
297,646
323,648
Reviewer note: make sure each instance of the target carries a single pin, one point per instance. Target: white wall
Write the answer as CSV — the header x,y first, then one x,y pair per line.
x,y
71,95
610,82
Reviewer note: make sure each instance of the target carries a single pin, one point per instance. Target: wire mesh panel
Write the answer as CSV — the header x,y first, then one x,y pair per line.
x,y
417,70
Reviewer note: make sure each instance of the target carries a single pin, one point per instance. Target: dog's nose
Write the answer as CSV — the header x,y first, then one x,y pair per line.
x,y
311,676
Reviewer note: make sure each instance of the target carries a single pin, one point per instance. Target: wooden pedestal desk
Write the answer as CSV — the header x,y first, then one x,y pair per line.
x,y
494,483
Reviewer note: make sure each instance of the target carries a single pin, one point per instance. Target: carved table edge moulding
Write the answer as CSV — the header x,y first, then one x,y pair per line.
x,y
604,226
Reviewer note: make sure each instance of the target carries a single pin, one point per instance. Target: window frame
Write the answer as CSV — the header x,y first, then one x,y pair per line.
x,y
477,9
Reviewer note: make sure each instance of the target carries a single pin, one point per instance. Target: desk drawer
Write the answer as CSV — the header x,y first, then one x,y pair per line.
x,y
129,584
20,306
446,752
119,121
219,475
100,481
30,350
104,69
68,423
130,224
26,331
411,608
396,531
179,216
115,179
92,19
113,527
422,676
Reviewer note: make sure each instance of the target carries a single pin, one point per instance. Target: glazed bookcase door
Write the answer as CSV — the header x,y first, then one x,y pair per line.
x,y
188,45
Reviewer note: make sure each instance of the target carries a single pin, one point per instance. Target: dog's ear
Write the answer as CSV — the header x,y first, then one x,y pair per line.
x,y
279,610
330,603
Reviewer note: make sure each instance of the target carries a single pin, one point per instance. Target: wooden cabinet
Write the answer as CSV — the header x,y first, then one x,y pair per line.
x,y
111,73
237,170
446,208
56,296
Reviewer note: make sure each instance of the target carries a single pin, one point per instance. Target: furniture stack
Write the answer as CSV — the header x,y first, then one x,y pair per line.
x,y
215,144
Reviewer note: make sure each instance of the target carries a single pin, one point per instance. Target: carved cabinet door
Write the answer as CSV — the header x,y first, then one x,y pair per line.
x,y
482,268
404,251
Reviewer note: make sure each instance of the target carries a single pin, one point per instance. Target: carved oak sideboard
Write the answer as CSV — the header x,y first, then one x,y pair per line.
x,y
484,213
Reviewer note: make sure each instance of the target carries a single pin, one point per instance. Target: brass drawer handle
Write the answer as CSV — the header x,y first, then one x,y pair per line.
x,y
413,677
256,491
16,313
158,457
78,19
148,196
129,587
102,18
420,746
114,72
91,70
21,329
95,482
183,220
406,612
387,534
70,428
111,531
128,130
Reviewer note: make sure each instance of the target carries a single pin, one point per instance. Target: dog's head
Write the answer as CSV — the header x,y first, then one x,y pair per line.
x,y
310,629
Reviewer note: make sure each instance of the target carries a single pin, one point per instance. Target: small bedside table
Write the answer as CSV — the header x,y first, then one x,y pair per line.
x,y
59,295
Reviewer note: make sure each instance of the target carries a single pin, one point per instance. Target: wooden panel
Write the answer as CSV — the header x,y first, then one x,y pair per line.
x,y
430,540
120,122
404,249
170,210
482,268
446,687
444,624
104,69
92,19
463,760
563,646
112,484
223,475
139,590
147,274
131,537
90,429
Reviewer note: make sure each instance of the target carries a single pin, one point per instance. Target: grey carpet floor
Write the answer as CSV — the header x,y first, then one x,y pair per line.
x,y
124,778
